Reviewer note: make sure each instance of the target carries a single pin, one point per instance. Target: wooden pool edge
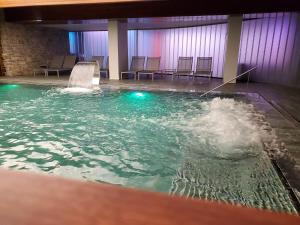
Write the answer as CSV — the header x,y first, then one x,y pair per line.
x,y
28,198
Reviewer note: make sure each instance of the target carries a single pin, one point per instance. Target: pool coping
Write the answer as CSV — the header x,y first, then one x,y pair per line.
x,y
285,170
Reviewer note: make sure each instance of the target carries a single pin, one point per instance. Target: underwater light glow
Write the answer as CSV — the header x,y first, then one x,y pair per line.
x,y
139,94
9,86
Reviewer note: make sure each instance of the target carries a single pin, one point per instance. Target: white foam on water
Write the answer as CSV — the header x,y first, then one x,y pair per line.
x,y
76,90
80,90
224,125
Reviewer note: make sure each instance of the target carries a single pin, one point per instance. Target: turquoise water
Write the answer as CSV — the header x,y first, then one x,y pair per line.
x,y
160,141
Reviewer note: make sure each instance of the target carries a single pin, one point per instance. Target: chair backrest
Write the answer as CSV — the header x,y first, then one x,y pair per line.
x,y
153,64
57,61
137,63
185,64
204,65
99,60
69,62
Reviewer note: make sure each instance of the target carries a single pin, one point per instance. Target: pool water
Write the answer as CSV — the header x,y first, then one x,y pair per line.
x,y
161,141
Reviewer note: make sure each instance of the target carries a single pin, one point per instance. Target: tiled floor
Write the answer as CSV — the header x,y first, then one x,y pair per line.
x,y
279,104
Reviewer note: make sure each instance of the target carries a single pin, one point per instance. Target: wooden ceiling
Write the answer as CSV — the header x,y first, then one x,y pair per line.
x,y
21,3
64,10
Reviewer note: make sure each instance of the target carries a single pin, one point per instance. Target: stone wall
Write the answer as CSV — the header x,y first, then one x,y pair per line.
x,y
2,71
25,47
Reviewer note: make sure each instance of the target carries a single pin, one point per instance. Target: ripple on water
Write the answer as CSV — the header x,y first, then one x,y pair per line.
x,y
162,141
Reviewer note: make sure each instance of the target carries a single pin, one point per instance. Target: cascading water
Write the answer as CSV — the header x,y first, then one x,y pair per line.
x,y
83,75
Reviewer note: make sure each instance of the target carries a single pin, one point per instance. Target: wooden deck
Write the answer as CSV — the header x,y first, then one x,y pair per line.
x,y
47,200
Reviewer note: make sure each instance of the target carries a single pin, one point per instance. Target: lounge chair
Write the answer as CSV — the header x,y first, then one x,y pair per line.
x,y
55,62
99,60
137,64
152,67
184,67
203,67
69,62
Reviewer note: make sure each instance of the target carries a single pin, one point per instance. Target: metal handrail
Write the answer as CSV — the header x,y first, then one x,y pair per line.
x,y
238,76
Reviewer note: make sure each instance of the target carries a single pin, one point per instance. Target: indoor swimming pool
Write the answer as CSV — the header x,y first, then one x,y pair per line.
x,y
172,142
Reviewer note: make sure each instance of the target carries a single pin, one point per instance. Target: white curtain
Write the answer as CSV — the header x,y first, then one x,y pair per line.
x,y
95,44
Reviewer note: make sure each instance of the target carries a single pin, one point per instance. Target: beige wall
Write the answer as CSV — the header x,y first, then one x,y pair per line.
x,y
118,48
25,47
233,46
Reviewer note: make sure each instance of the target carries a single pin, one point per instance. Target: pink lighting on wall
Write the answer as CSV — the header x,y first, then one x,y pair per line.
x,y
270,42
172,43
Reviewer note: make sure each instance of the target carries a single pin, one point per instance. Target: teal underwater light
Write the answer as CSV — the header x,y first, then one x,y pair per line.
x,y
141,97
9,86
138,95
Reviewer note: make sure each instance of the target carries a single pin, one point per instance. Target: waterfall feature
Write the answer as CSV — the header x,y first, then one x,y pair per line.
x,y
83,75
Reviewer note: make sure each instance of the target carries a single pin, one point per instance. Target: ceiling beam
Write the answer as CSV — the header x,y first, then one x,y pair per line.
x,y
131,9
22,3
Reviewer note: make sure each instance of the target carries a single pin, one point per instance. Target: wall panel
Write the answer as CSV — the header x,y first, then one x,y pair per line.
x,y
95,43
169,44
271,42
193,41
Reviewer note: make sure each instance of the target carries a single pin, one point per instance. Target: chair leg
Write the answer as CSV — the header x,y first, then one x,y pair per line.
x,y
138,76
57,72
152,76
